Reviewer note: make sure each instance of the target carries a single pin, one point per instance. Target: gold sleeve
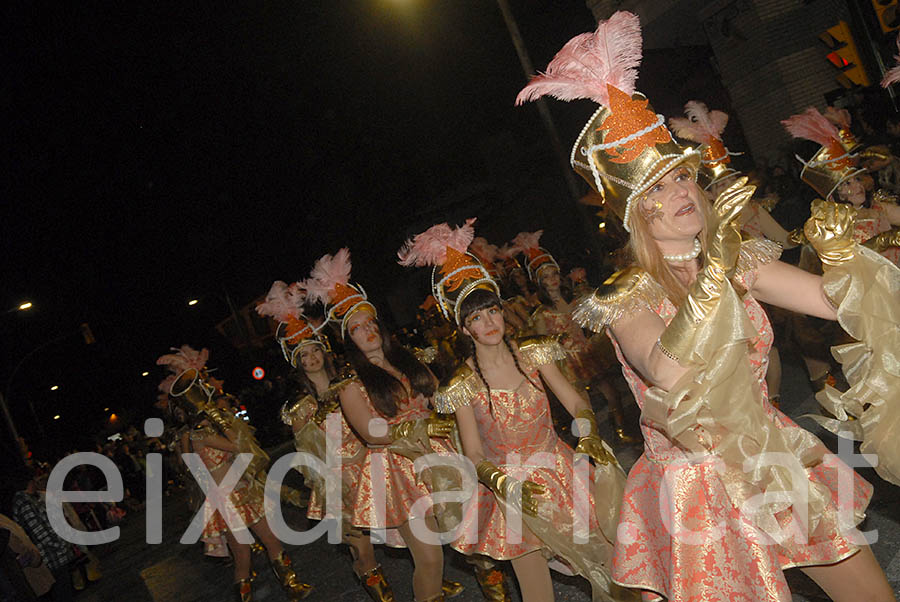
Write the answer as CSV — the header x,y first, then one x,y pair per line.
x,y
459,390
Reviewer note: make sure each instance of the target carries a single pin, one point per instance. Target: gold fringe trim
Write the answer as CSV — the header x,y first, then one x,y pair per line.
x,y
463,386
298,410
540,350
333,392
623,293
754,253
426,355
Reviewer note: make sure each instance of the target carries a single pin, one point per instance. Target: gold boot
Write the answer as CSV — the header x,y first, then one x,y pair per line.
x,y
293,587
451,589
376,585
244,590
437,598
492,584
78,579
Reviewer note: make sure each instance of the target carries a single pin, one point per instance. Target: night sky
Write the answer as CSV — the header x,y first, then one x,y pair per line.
x,y
158,152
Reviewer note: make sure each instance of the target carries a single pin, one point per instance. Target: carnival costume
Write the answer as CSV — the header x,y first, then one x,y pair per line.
x,y
518,422
245,505
683,531
835,163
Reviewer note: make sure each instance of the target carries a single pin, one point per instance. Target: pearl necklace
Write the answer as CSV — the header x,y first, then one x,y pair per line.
x,y
692,254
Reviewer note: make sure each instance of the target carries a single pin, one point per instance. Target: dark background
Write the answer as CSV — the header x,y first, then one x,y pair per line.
x,y
158,152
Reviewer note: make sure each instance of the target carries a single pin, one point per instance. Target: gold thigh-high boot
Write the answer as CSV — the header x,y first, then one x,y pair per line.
x,y
438,598
492,584
451,589
293,587
376,585
244,590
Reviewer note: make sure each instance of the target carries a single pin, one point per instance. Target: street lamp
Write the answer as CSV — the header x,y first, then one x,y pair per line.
x,y
56,417
54,387
26,305
193,302
145,373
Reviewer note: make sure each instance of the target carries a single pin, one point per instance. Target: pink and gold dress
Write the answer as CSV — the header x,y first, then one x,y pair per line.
x,y
517,435
716,554
579,365
247,498
872,222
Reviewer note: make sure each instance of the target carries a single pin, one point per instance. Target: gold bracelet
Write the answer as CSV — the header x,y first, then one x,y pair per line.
x,y
666,352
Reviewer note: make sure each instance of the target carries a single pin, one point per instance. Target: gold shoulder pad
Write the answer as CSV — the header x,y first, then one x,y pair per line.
x,y
426,355
459,390
883,197
538,350
754,253
300,409
337,385
623,293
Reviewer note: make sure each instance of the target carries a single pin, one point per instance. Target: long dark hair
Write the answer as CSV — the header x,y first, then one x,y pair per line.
x,y
307,386
475,301
543,294
383,389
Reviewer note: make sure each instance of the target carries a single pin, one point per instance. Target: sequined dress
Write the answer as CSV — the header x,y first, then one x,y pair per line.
x,y
716,557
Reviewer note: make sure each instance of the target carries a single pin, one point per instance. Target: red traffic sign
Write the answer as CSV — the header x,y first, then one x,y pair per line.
x,y
259,373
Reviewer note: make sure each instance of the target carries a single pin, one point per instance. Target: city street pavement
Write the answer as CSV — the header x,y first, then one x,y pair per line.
x,y
137,572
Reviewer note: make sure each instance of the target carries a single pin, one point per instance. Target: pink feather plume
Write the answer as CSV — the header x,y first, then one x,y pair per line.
x,y
507,251
483,248
526,240
893,76
283,301
327,272
701,124
184,358
589,62
430,246
166,385
839,117
811,125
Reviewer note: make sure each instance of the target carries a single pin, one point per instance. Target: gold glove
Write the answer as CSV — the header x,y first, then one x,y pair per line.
x,y
591,444
830,231
677,339
504,486
879,243
436,425
221,418
797,237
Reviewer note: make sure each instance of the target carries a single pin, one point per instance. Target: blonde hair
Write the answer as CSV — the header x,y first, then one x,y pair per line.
x,y
647,255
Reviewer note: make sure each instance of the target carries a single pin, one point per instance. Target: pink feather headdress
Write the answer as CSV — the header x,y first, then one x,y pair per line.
x,y
811,125
183,359
431,246
327,274
456,272
701,124
588,63
485,250
329,282
893,75
839,117
537,257
283,301
166,384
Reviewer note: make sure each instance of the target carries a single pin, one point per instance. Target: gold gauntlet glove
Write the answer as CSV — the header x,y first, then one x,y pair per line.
x,y
830,231
591,443
221,418
437,426
879,243
507,488
676,340
797,237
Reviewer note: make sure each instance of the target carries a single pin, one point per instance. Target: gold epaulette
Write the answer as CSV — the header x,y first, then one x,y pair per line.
x,y
296,409
333,391
884,197
625,292
754,253
426,355
538,350
459,390
326,408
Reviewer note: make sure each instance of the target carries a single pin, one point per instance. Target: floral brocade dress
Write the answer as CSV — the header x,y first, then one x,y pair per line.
x,y
247,498
871,223
716,555
580,365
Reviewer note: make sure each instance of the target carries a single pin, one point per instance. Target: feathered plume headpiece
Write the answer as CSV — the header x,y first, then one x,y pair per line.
x,y
841,119
538,257
706,127
455,273
329,283
591,62
508,262
893,75
183,359
833,163
625,146
285,303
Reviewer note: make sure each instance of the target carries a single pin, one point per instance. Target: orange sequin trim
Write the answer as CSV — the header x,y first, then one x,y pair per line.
x,y
627,116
